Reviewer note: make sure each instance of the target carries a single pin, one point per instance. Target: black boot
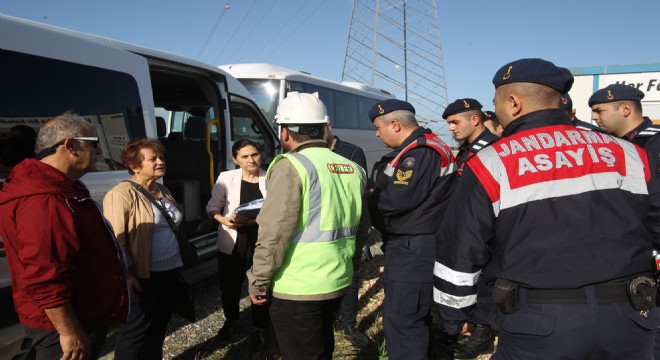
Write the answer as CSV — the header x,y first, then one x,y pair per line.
x,y
481,342
225,331
356,337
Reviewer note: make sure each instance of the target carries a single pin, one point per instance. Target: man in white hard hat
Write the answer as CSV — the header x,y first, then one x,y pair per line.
x,y
307,231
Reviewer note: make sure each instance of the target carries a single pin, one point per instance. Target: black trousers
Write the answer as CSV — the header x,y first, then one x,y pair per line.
x,y
304,328
349,305
46,343
485,304
408,289
143,335
576,331
231,273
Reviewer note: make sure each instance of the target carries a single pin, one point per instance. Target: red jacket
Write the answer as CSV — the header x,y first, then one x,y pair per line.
x,y
60,249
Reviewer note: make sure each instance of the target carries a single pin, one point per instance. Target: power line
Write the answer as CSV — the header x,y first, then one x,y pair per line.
x,y
296,29
217,22
280,30
254,27
235,31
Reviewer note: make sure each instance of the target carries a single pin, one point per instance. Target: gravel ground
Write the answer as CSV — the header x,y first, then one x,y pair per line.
x,y
196,340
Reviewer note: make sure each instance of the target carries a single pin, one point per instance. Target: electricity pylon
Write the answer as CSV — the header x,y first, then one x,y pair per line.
x,y
395,45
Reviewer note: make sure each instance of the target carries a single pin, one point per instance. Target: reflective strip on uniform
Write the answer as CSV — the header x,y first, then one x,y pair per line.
x,y
453,301
633,179
312,233
455,277
447,165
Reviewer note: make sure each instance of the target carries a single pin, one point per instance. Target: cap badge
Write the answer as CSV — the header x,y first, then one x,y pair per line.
x,y
508,73
380,109
465,103
609,95
564,101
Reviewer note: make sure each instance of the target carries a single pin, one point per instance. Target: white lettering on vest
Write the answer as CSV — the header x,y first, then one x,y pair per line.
x,y
592,153
607,156
564,159
546,140
560,139
561,160
576,155
524,165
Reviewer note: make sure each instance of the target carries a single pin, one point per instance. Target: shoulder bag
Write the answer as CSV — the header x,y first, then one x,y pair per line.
x,y
187,250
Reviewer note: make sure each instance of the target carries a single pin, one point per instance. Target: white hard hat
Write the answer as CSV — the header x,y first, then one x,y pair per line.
x,y
301,108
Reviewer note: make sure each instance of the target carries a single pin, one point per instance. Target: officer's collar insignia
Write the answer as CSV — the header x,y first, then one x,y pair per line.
x,y
380,109
609,95
409,162
402,176
465,103
564,101
508,73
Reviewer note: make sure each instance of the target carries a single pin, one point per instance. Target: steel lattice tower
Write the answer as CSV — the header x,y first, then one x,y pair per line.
x,y
395,45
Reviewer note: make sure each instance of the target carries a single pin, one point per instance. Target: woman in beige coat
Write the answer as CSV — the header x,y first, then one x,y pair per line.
x,y
151,248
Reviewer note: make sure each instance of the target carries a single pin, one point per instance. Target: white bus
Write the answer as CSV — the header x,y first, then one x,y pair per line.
x,y
347,103
125,91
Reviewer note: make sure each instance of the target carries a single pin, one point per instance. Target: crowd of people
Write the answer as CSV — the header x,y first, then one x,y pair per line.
x,y
539,231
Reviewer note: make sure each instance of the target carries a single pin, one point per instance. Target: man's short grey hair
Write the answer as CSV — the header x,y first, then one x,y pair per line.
x,y
404,117
59,128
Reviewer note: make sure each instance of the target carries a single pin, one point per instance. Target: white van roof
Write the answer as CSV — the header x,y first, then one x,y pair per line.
x,y
9,23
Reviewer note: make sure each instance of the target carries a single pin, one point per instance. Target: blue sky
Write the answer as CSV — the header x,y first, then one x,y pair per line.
x,y
478,37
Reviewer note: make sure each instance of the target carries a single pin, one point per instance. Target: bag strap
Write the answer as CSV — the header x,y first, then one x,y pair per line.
x,y
146,194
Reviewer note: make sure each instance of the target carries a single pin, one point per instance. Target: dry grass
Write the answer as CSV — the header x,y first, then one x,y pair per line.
x,y
196,341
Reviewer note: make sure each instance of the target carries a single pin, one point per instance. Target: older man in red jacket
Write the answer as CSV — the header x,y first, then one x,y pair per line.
x,y
68,272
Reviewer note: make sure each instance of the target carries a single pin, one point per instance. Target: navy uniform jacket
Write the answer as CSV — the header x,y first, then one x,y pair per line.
x,y
467,151
413,198
644,136
351,152
548,206
585,125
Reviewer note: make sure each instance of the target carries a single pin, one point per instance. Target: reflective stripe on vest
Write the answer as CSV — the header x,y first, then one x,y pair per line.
x,y
312,232
558,161
447,162
319,257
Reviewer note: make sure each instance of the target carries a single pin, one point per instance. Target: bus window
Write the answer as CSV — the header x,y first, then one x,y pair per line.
x,y
42,88
326,95
245,124
266,93
364,105
346,107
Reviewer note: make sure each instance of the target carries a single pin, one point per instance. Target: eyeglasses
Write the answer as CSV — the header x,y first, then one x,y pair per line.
x,y
51,149
93,139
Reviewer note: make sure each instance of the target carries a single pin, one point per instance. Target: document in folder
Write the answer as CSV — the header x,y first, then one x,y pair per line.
x,y
250,210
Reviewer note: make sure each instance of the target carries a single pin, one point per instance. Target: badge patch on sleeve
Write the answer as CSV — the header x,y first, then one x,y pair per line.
x,y
409,162
403,176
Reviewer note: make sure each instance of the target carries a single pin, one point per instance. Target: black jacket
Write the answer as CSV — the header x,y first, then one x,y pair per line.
x,y
413,199
547,206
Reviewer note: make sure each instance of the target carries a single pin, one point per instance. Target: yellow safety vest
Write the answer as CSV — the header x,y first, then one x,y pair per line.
x,y
319,258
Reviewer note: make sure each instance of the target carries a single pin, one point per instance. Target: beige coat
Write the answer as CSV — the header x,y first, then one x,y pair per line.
x,y
225,198
132,219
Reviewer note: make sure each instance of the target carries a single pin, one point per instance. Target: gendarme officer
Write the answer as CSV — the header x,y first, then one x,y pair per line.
x,y
618,110
411,190
558,217
465,121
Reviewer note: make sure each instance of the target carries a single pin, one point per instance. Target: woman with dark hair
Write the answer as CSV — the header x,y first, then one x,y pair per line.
x,y
237,235
150,246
